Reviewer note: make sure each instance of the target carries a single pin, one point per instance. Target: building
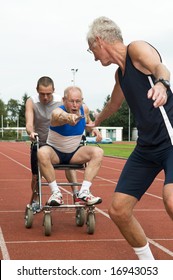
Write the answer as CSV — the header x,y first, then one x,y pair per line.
x,y
115,133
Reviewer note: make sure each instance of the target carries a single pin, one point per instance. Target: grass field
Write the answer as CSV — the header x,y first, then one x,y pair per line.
x,y
119,149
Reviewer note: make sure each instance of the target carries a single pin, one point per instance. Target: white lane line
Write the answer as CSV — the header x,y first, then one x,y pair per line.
x,y
119,170
113,182
3,247
66,241
105,214
15,161
83,240
153,195
162,248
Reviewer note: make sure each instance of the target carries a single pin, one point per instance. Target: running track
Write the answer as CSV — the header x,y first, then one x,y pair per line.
x,y
67,241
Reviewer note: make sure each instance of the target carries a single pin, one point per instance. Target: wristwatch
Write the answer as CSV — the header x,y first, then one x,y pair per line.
x,y
166,83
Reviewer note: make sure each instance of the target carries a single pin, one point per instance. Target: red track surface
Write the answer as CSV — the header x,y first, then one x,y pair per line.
x,y
67,241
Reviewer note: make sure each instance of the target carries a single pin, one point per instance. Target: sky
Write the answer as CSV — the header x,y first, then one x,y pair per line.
x,y
41,37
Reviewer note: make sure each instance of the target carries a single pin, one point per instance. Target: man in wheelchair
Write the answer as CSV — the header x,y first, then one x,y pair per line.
x,y
38,111
67,125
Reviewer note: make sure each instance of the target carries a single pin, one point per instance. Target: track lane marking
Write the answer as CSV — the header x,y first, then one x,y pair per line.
x,y
105,214
3,247
15,161
162,248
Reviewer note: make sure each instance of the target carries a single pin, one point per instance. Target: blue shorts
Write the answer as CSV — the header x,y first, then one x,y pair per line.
x,y
141,169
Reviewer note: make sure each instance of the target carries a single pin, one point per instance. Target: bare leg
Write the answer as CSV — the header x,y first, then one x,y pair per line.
x,y
120,212
34,187
47,157
168,199
72,178
93,157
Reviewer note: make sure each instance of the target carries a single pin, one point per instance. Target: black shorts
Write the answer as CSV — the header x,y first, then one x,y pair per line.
x,y
34,162
64,157
141,169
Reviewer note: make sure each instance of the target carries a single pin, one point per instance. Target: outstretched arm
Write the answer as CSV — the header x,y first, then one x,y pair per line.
x,y
60,117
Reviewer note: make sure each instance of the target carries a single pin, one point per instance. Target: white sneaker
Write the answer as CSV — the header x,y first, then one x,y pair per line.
x,y
77,200
89,199
55,199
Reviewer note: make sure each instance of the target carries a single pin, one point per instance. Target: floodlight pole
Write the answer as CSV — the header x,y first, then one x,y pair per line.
x,y
74,73
2,125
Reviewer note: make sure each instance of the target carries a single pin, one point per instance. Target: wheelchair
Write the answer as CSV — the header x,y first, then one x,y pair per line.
x,y
84,214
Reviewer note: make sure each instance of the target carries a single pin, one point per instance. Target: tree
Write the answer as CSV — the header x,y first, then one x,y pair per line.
x,y
120,118
3,112
2,108
12,111
22,121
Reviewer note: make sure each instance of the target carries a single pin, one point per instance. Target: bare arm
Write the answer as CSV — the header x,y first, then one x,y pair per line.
x,y
147,60
29,116
112,106
94,130
60,117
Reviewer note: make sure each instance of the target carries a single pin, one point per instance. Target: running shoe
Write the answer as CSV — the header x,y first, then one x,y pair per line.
x,y
55,199
35,207
88,198
77,200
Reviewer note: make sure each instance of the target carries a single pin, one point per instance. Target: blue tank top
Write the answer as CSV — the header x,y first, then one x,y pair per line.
x,y
66,138
152,131
70,130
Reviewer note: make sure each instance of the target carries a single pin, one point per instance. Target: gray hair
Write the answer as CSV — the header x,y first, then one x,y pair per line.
x,y
70,89
104,28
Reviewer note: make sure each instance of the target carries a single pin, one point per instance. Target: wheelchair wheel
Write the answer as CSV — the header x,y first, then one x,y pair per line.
x,y
90,223
80,217
47,223
28,216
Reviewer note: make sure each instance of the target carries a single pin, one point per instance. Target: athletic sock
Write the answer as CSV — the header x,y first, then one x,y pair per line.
x,y
53,186
75,192
85,186
144,253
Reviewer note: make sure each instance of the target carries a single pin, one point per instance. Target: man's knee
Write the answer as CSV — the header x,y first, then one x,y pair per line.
x,y
168,198
115,211
42,156
119,210
98,153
